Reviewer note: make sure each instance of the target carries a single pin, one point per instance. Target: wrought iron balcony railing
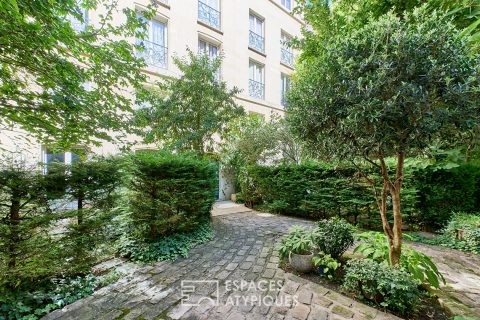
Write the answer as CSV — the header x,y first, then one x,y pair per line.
x,y
256,89
286,57
155,55
256,42
208,15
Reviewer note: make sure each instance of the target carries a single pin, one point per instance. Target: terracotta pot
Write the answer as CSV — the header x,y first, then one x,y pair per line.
x,y
301,262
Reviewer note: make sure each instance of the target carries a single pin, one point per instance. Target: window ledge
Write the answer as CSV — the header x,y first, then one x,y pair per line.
x,y
256,51
210,27
161,3
287,66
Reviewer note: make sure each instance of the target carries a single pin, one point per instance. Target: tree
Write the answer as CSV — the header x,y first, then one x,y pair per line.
x,y
338,14
62,81
384,92
189,113
25,244
252,140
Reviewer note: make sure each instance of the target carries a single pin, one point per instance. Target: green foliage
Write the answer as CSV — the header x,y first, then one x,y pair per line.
x,y
333,236
298,240
329,264
252,140
351,14
313,190
166,248
374,246
362,92
388,89
386,286
445,190
67,86
171,193
39,299
25,246
188,112
466,225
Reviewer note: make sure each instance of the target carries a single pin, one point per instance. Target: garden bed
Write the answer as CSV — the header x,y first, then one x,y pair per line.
x,y
430,306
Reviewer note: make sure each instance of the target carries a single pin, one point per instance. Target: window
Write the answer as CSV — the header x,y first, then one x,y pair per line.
x,y
287,4
50,156
256,83
209,12
210,50
256,38
154,46
286,54
79,25
285,87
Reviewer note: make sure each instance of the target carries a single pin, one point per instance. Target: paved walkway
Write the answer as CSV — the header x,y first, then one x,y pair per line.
x,y
461,295
243,261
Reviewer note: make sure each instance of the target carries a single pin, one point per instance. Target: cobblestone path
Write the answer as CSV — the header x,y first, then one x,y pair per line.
x,y
243,261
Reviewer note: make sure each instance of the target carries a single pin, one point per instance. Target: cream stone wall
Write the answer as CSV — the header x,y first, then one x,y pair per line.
x,y
183,30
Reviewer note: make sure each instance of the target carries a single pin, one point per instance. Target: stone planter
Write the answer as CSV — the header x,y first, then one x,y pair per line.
x,y
301,262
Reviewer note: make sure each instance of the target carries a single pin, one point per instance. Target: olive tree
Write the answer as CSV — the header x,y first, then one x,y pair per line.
x,y
385,92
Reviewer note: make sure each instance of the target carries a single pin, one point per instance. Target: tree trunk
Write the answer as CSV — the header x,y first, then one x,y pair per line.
x,y
394,235
14,236
396,243
79,210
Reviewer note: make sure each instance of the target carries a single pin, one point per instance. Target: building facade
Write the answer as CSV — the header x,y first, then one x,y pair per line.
x,y
250,34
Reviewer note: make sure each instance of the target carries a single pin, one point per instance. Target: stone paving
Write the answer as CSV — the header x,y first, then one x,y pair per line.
x,y
243,261
461,294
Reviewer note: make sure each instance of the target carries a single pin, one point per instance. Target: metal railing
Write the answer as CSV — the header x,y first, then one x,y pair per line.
x,y
256,42
286,57
256,89
208,15
155,55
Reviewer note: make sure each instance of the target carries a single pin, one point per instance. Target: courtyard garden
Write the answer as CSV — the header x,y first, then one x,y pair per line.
x,y
361,201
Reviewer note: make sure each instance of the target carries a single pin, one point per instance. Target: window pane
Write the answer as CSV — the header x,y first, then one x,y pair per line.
x,y
158,33
54,157
213,51
212,3
202,46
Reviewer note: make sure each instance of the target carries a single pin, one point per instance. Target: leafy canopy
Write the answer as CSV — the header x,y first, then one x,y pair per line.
x,y
64,85
392,86
190,112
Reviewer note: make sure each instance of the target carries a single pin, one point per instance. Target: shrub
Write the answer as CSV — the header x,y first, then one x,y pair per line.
x,y
298,240
443,191
26,250
469,225
462,233
41,298
313,190
167,248
386,286
329,264
374,246
333,236
171,193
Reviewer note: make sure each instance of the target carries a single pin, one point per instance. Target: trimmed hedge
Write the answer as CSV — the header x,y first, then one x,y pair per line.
x,y
443,191
318,190
309,190
171,193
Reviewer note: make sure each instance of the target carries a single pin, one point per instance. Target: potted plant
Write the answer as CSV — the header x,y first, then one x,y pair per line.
x,y
297,247
326,265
